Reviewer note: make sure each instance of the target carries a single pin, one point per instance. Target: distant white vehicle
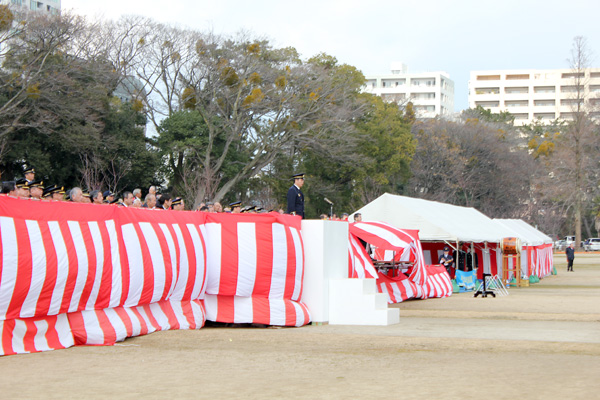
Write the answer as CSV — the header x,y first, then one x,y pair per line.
x,y
592,244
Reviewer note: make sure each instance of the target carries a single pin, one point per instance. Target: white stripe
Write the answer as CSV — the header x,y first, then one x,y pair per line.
x,y
136,265
93,330
63,328
117,323
213,239
397,292
136,326
82,264
39,340
117,276
151,327
299,314
385,234
243,312
99,247
178,287
179,314
197,291
173,254
277,312
299,263
246,240
18,334
10,263
410,293
211,304
38,269
199,313
159,316
279,269
158,262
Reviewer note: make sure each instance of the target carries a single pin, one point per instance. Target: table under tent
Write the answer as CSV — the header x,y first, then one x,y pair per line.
x,y
465,230
405,275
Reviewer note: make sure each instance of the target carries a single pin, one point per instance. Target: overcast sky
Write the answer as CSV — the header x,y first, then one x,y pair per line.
x,y
453,36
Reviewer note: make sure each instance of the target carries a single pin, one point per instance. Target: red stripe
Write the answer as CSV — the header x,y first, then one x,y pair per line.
x,y
166,307
261,310
229,258
110,334
43,304
290,313
226,309
52,336
7,334
29,336
143,326
24,270
188,312
92,267
72,267
169,270
264,259
78,327
103,299
148,285
191,254
126,320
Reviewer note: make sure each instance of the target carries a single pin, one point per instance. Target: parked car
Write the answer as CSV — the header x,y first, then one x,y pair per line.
x,y
561,245
593,244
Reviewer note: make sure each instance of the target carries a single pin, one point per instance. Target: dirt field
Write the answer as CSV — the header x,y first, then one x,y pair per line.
x,y
541,342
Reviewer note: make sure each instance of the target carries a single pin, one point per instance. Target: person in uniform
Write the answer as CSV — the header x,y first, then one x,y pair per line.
x,y
236,207
570,252
54,193
36,189
295,197
29,174
22,188
109,196
178,204
447,260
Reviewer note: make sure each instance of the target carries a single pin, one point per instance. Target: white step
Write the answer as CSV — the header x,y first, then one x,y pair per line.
x,y
356,302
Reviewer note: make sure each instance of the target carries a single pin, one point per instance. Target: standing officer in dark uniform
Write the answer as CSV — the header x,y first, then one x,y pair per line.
x,y
295,197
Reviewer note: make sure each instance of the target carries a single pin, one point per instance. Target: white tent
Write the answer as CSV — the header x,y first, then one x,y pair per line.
x,y
435,221
527,233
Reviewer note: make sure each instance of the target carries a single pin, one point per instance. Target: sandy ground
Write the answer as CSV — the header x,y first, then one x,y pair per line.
x,y
541,342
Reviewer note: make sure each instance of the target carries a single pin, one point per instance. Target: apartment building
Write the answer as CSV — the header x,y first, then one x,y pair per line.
x,y
532,95
49,6
432,93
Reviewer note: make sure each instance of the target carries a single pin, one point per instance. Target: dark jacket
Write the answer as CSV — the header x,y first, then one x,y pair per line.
x,y
295,201
570,253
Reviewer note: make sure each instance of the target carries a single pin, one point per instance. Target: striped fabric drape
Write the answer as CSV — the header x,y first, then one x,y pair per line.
x,y
89,274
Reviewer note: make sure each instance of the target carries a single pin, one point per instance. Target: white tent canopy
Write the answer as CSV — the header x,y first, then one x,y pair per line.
x,y
435,221
528,234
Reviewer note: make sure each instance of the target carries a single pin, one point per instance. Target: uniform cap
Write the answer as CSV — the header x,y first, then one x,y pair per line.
x,y
236,204
22,183
298,176
29,170
176,201
37,184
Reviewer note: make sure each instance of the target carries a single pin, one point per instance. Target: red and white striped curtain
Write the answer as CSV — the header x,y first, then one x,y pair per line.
x,y
95,274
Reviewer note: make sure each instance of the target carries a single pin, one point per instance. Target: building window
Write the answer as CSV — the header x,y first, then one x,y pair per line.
x,y
572,75
544,116
488,77
568,89
517,77
487,104
488,90
516,90
544,103
544,89
517,103
595,75
520,116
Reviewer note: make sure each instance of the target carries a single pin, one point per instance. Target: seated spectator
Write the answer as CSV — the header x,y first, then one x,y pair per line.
x,y
358,217
137,203
9,188
150,201
109,197
164,202
97,197
218,207
137,193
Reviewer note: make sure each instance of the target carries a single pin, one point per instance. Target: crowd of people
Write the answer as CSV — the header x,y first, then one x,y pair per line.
x,y
29,187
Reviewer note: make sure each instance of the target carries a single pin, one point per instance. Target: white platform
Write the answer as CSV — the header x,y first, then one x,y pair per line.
x,y
330,295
